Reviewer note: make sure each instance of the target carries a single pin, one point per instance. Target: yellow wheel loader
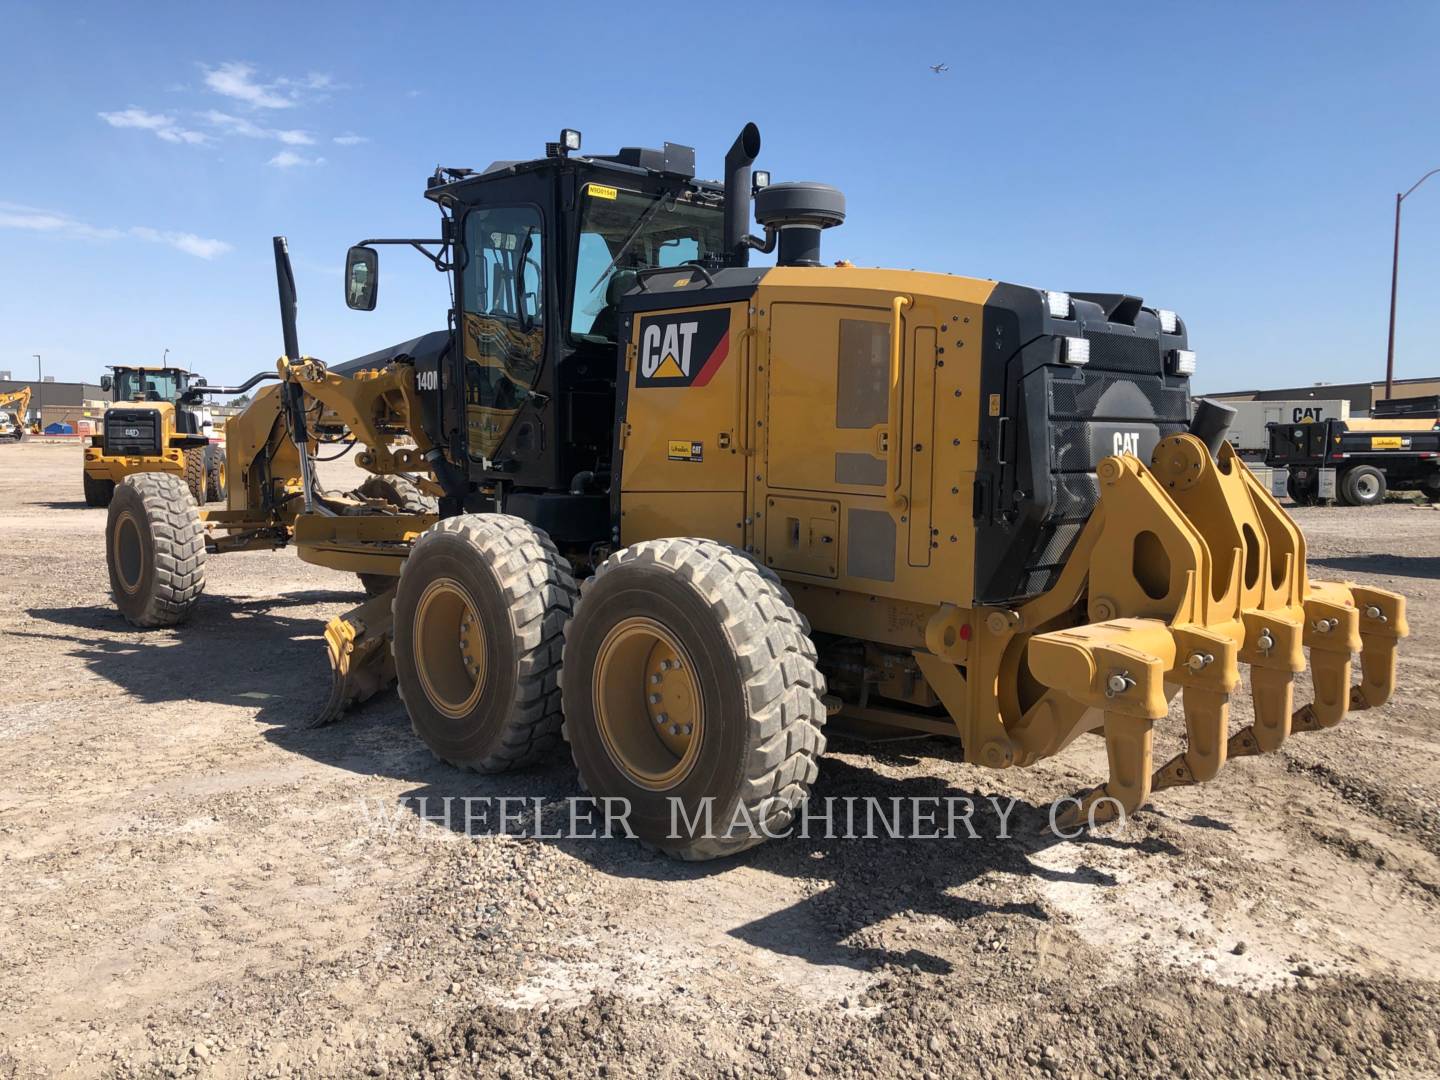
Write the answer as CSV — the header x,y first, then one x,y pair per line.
x,y
156,424
687,509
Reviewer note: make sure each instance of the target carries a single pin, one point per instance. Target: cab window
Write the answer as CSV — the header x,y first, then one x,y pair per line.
x,y
503,286
625,230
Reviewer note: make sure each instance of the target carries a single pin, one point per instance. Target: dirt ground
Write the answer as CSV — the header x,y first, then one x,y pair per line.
x,y
193,882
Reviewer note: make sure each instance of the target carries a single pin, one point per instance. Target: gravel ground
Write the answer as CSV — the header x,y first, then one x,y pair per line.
x,y
194,883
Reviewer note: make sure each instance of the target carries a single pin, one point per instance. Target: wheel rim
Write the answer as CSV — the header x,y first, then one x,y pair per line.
x,y
647,702
220,474
1365,486
449,644
129,552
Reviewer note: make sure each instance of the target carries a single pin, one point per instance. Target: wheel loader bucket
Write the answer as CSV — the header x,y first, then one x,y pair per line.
x,y
1188,569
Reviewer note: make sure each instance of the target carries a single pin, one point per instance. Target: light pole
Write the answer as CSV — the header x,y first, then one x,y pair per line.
x,y
1394,282
39,391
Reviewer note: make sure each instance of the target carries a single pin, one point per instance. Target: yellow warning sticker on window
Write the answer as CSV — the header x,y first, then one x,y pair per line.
x,y
600,191
994,404
684,450
1386,442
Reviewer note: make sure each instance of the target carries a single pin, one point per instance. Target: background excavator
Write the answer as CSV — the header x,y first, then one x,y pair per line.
x,y
679,511
14,413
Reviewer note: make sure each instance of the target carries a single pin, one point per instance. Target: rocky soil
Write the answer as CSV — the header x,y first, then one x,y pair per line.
x,y
192,882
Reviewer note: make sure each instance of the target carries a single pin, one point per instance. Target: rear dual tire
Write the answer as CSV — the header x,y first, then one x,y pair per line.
x,y
690,689
1362,486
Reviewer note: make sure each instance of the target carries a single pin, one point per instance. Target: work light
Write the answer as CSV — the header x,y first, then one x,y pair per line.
x,y
1076,351
1182,362
1169,321
1058,304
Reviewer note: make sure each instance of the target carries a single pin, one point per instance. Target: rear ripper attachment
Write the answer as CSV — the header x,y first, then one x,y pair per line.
x,y
1185,570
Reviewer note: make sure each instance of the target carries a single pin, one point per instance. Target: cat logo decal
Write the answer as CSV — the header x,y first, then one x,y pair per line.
x,y
683,349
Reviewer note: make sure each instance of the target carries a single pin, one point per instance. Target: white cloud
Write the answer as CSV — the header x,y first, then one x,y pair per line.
x,y
236,80
239,125
351,139
165,127
199,246
288,159
16,216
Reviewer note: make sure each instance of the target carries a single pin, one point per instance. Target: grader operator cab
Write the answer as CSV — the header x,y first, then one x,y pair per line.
x,y
973,509
157,423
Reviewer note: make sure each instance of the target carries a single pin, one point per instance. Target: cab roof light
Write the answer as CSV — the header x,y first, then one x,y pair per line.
x,y
759,180
568,143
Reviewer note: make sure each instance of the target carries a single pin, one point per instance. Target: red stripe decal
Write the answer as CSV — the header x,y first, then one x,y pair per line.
x,y
708,369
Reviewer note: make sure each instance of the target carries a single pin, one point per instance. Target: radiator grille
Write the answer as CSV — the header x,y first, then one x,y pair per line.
x,y
132,431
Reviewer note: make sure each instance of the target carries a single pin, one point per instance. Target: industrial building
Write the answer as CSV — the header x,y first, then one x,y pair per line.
x,y
58,402
1361,395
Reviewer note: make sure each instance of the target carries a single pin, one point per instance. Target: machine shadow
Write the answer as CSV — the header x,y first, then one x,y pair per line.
x,y
1413,566
224,655
845,897
231,647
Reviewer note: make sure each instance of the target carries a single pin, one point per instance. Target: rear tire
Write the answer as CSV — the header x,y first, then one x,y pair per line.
x,y
1363,486
155,550
479,615
216,475
741,730
1301,493
399,491
405,496
98,492
195,473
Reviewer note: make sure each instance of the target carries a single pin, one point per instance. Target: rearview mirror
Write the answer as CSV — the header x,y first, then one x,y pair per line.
x,y
201,381
362,276
106,383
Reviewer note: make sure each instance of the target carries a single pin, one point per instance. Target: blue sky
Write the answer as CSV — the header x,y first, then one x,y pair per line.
x,y
1235,162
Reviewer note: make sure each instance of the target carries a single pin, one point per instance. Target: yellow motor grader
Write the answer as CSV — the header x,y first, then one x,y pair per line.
x,y
923,502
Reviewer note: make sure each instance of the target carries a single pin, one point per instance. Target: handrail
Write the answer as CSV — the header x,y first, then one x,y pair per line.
x,y
895,449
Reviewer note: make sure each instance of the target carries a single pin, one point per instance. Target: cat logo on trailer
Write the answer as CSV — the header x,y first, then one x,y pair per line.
x,y
684,349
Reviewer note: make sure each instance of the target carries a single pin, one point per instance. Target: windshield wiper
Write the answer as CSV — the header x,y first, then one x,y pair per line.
x,y
640,223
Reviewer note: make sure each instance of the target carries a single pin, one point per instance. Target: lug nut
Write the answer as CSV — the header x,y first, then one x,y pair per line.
x,y
684,729
662,719
654,699
654,680
674,729
664,665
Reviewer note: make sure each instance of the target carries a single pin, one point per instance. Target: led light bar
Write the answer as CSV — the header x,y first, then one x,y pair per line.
x,y
1076,351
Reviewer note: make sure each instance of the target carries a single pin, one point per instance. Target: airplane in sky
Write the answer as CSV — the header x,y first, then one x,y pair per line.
x,y
939,69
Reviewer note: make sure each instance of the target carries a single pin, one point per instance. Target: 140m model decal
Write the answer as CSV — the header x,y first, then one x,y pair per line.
x,y
682,349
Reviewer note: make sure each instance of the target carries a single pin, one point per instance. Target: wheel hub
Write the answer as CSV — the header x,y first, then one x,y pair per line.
x,y
129,552
648,704
449,643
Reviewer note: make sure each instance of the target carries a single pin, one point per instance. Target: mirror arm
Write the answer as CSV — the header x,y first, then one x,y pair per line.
x,y
435,257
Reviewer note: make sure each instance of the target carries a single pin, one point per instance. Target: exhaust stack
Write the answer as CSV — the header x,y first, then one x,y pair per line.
x,y
738,160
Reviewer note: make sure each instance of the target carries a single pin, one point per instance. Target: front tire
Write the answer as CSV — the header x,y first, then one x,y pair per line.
x,y
690,682
155,550
479,614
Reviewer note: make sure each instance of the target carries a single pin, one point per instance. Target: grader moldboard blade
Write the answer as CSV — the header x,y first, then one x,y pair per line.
x,y
1194,568
360,658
